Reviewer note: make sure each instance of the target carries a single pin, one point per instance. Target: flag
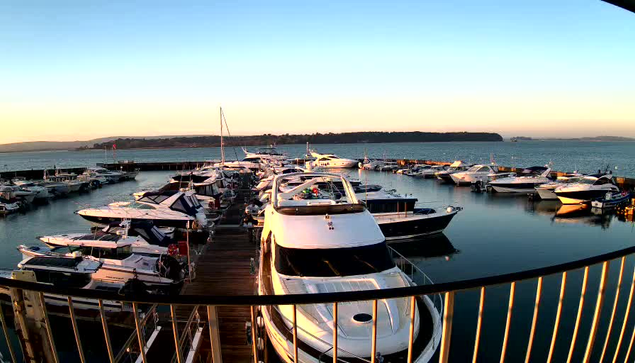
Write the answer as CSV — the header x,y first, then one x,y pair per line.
x,y
114,146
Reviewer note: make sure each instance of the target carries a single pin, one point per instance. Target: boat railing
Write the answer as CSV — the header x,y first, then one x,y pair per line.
x,y
606,333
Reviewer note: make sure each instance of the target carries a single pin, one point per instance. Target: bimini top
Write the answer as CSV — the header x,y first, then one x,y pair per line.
x,y
316,189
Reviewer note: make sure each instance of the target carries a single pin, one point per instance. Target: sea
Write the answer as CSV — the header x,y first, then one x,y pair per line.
x,y
493,234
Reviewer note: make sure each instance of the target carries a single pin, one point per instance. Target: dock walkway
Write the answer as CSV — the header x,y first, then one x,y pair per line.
x,y
225,268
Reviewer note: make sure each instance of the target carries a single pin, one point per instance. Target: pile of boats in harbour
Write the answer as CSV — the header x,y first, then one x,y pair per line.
x,y
19,193
599,190
140,246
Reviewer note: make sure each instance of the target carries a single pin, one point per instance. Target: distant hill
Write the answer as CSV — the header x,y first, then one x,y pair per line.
x,y
329,138
595,138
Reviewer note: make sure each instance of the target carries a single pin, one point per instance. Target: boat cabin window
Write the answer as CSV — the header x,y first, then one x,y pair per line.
x,y
333,261
62,279
603,181
181,205
483,169
140,206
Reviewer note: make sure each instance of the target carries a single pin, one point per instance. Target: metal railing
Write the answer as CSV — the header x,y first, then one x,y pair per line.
x,y
603,345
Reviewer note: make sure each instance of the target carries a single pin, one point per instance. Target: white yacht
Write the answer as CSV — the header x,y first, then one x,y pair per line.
x,y
119,264
547,191
324,242
332,161
110,175
11,192
164,209
41,192
143,237
7,207
455,167
586,189
477,173
526,182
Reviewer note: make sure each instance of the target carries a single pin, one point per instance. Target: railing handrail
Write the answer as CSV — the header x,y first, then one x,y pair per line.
x,y
300,299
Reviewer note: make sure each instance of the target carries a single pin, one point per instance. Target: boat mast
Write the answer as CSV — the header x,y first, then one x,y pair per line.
x,y
222,146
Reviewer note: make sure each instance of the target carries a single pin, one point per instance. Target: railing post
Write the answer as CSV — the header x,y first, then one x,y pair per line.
x,y
104,326
556,323
598,311
214,335
71,310
295,334
448,315
254,343
374,336
49,333
6,335
479,321
617,296
411,335
626,314
579,315
175,331
139,333
534,320
510,307
335,315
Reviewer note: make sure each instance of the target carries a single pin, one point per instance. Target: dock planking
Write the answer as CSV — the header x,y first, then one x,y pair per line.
x,y
224,268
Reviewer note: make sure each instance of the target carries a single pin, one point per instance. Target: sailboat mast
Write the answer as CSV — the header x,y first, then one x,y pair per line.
x,y
222,146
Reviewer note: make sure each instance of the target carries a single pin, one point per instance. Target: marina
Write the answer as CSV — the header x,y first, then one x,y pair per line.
x,y
468,249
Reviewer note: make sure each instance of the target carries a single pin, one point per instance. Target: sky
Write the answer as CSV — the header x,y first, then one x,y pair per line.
x,y
77,70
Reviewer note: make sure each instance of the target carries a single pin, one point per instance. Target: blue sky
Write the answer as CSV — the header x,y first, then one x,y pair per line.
x,y
78,69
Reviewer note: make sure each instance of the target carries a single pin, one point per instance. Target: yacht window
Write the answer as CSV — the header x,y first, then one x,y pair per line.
x,y
333,261
181,206
140,206
602,181
484,169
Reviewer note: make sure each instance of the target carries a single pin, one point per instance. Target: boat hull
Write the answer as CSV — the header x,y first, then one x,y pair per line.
x,y
395,227
580,197
514,187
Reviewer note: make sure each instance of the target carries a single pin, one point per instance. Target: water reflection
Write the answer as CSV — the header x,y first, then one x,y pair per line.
x,y
426,248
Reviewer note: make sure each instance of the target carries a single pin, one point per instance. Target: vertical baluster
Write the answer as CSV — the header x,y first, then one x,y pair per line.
x,y
254,348
510,307
49,333
295,334
556,323
214,336
335,332
534,320
617,296
579,315
411,335
71,310
626,313
104,326
448,315
142,344
374,337
479,322
598,311
175,330
6,335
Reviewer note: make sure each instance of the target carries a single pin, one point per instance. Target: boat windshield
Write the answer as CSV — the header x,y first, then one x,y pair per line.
x,y
333,261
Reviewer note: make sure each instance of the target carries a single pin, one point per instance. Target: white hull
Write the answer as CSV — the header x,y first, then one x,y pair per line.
x,y
499,189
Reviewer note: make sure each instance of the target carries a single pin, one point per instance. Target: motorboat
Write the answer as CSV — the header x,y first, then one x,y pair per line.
x,y
70,179
546,191
11,192
143,237
586,189
388,165
8,207
321,242
455,167
119,264
399,218
164,209
110,175
477,173
526,182
264,153
41,192
429,171
332,161
93,178
611,200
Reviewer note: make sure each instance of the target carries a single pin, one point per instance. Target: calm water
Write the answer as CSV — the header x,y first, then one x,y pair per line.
x,y
565,155
494,234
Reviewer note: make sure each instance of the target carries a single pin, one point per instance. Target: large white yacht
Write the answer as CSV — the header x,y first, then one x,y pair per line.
x,y
586,189
332,161
526,182
317,241
477,173
165,209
